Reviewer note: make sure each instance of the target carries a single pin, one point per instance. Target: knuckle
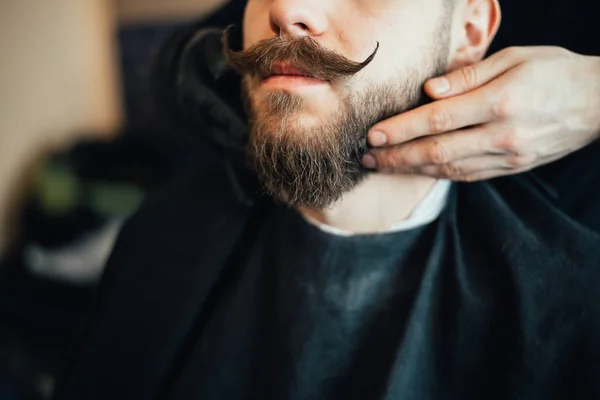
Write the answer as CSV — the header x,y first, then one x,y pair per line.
x,y
470,77
508,141
401,157
510,50
514,162
437,153
470,178
566,53
520,161
440,120
502,106
514,53
451,170
411,170
390,160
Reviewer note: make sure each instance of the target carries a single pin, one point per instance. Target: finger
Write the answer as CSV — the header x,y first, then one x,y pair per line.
x,y
474,165
489,174
472,174
485,175
473,76
441,149
481,168
438,117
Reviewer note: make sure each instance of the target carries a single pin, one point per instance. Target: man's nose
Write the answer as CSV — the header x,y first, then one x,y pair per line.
x,y
294,18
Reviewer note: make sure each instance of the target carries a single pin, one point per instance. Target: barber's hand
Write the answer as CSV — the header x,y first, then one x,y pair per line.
x,y
518,109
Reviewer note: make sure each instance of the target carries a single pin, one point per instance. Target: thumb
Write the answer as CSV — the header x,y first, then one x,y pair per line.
x,y
472,76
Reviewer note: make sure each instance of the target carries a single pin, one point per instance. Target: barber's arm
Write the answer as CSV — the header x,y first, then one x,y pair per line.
x,y
518,109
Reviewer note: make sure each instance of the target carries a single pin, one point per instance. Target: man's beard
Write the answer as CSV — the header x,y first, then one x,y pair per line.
x,y
314,167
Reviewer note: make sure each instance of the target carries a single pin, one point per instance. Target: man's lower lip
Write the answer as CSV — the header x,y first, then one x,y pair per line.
x,y
292,81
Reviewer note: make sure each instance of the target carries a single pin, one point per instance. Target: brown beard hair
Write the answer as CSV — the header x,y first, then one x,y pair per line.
x,y
317,169
313,168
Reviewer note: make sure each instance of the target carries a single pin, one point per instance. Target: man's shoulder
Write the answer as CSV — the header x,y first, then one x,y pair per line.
x,y
188,222
162,271
191,201
188,216
575,184
568,189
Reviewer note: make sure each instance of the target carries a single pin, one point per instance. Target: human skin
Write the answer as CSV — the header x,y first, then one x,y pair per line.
x,y
408,34
521,108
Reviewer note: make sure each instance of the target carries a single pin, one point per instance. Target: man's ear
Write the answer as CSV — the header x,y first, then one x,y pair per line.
x,y
477,22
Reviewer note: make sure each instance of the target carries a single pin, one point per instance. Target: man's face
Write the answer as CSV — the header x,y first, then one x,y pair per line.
x,y
313,93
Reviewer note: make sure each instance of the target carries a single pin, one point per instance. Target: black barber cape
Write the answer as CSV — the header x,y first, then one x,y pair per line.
x,y
211,294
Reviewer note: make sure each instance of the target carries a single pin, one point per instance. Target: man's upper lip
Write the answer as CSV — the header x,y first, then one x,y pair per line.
x,y
282,68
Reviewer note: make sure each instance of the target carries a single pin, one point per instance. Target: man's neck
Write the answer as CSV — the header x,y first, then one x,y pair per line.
x,y
376,204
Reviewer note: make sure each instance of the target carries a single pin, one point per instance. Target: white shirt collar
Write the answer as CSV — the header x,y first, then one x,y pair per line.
x,y
424,213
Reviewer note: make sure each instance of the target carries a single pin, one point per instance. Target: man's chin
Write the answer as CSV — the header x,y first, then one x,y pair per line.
x,y
313,195
304,172
300,129
306,149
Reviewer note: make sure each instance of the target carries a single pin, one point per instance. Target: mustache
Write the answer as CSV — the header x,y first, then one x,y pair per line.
x,y
303,53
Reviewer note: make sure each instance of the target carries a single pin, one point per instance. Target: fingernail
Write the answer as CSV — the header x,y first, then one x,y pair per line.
x,y
378,138
369,161
440,85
